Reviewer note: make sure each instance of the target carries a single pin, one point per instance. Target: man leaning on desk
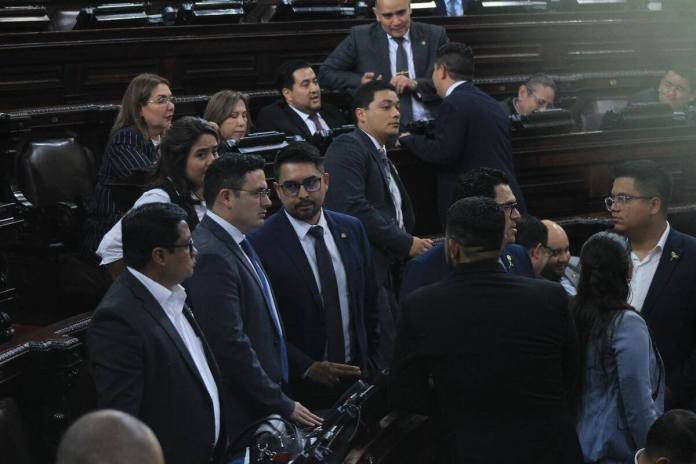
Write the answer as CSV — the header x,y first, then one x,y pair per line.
x,y
394,49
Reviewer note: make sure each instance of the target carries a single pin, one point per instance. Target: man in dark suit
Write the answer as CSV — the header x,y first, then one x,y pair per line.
x,y
320,265
148,355
431,266
537,94
490,357
663,284
301,112
452,7
533,235
559,267
470,130
394,49
234,302
366,185
677,88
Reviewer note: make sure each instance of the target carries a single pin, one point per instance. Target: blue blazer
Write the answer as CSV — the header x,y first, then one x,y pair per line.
x,y
299,298
471,131
670,311
228,302
431,267
615,418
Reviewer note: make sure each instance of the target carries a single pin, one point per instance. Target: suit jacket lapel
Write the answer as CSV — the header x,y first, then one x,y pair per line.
x,y
419,48
668,262
297,121
340,236
380,50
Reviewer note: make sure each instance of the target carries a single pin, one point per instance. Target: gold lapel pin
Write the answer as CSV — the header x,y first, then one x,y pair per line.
x,y
343,235
674,256
509,258
423,42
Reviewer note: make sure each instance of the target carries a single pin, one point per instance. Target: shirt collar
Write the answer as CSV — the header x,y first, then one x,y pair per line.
x,y
406,36
162,294
300,113
235,233
638,453
451,88
663,238
374,141
302,227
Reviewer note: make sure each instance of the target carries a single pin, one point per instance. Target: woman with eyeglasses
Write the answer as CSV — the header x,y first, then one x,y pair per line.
x,y
187,150
230,111
146,112
621,385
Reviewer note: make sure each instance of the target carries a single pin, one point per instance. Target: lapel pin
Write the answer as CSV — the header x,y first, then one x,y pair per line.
x,y
343,235
509,258
674,256
423,42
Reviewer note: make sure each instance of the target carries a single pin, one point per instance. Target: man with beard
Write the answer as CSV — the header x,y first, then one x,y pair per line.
x,y
320,266
559,268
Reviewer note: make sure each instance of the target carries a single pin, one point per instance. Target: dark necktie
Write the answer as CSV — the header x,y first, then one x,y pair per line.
x,y
405,106
314,117
251,254
329,294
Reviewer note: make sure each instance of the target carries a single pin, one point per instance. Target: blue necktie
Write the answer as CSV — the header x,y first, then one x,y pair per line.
x,y
251,254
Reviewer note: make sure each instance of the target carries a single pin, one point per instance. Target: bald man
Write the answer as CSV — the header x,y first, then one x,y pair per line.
x,y
556,268
109,437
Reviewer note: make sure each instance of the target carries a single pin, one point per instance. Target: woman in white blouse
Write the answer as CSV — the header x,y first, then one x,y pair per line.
x,y
186,151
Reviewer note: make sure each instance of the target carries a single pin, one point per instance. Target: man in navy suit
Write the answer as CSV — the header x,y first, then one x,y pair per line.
x,y
663,284
234,301
329,306
431,267
148,355
395,49
470,130
301,112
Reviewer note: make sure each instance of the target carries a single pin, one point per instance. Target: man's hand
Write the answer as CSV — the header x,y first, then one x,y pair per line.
x,y
329,374
420,245
402,83
304,416
369,76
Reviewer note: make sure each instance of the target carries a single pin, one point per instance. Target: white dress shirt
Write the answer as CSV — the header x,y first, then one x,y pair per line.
x,y
451,88
111,246
419,111
172,302
393,188
307,242
644,271
308,122
238,237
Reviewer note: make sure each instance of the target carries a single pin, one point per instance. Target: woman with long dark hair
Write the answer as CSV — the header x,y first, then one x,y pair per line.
x,y
621,388
186,152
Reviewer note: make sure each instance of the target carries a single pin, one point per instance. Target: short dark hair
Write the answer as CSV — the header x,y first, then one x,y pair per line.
x,y
686,71
147,227
650,179
285,78
228,171
458,59
531,232
298,152
365,94
476,222
540,80
479,182
673,436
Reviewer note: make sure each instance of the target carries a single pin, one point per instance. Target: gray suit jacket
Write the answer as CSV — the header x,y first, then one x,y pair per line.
x,y
366,49
230,307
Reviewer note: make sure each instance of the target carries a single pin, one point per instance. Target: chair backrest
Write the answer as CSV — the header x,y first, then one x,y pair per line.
x,y
57,170
592,114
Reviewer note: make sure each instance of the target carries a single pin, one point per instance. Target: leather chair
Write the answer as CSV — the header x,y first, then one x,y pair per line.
x,y
593,112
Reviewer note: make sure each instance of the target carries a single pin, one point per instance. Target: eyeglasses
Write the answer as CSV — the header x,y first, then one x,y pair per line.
x,y
259,194
621,200
510,207
540,102
553,252
292,188
163,100
668,86
188,245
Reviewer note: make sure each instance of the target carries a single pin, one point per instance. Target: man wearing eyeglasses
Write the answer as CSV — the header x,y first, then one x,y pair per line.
x,y
148,355
676,89
320,265
537,94
663,284
234,301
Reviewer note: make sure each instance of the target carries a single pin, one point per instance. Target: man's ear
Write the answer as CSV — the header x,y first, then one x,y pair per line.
x,y
522,91
656,205
325,179
158,256
287,94
662,461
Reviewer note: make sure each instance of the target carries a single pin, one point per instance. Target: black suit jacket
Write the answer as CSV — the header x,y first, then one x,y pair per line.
x,y
298,295
366,49
280,117
359,188
141,366
471,131
491,357
228,301
670,312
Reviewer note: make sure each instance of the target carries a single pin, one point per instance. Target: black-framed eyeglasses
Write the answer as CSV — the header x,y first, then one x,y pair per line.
x,y
188,245
259,194
292,188
621,200
510,207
